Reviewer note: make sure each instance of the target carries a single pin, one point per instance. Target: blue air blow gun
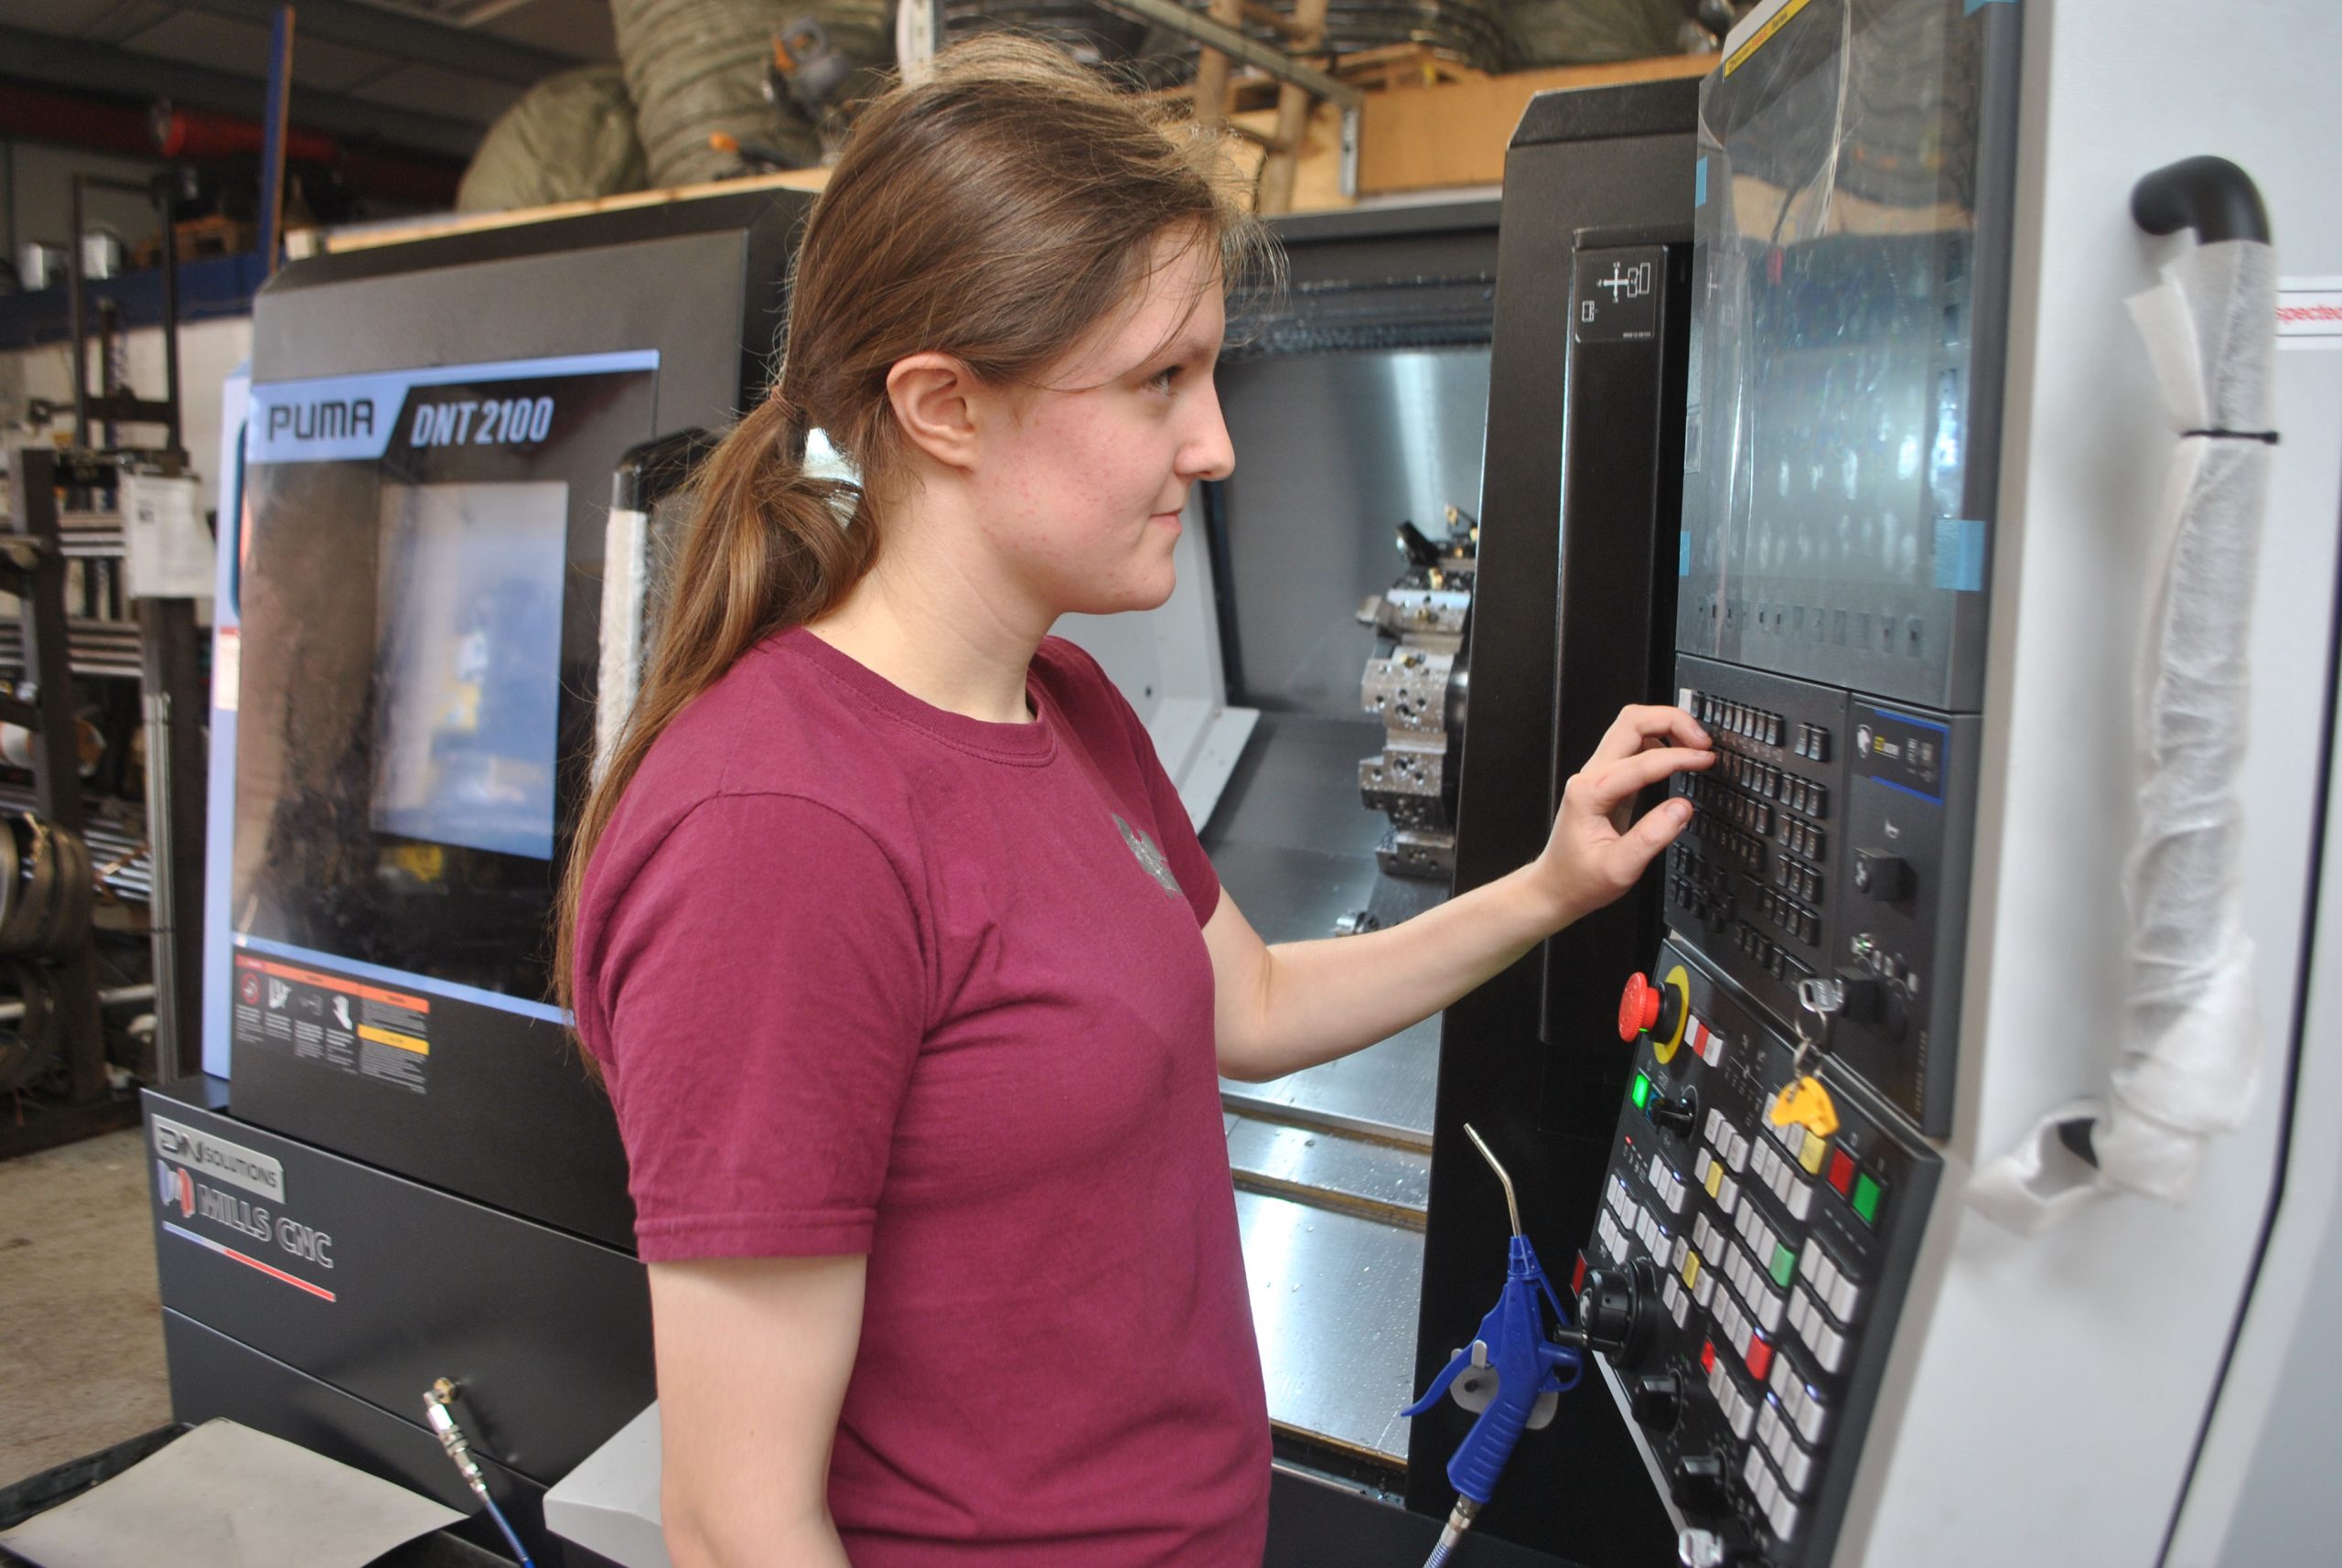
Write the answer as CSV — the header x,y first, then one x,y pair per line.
x,y
1513,1373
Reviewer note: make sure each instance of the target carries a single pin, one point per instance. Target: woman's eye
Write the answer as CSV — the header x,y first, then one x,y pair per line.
x,y
1161,381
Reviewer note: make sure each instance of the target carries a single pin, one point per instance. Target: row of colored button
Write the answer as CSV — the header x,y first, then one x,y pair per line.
x,y
1717,799
1861,1189
1766,1305
1719,1183
1772,1259
1738,1405
1740,1331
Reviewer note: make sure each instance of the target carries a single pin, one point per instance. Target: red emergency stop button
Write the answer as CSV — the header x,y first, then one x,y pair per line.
x,y
1637,1006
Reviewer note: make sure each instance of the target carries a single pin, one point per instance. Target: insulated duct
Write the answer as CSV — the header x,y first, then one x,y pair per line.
x,y
697,69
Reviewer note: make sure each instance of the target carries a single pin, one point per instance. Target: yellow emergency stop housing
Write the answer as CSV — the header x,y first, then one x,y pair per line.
x,y
1664,1046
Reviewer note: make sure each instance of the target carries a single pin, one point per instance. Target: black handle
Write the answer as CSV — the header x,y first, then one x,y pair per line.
x,y
647,474
2209,195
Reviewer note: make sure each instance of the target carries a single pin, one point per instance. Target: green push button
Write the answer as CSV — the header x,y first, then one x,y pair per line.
x,y
1642,1091
1867,1193
1784,1265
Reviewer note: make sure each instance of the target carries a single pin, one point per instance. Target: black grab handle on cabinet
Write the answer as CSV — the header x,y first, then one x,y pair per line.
x,y
2209,195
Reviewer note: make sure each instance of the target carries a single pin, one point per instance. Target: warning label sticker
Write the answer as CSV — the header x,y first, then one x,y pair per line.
x,y
346,1025
2309,313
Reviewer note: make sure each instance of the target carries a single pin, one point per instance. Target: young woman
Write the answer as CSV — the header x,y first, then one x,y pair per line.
x,y
906,972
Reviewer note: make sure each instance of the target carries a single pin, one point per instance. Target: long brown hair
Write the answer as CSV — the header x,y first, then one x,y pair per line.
x,y
995,211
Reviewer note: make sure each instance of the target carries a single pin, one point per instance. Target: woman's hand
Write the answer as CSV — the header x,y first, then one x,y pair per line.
x,y
1597,852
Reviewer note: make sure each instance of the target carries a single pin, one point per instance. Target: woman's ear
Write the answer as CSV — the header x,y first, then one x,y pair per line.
x,y
934,397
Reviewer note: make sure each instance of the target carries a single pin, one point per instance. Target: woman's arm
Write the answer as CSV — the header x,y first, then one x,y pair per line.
x,y
1293,1006
753,1357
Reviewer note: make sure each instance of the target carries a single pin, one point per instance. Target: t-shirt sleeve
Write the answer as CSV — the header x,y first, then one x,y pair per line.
x,y
763,980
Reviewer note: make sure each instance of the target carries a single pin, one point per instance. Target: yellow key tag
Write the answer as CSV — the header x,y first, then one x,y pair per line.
x,y
1807,1104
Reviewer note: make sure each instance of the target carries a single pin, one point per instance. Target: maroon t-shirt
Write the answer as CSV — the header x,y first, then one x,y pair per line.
x,y
865,976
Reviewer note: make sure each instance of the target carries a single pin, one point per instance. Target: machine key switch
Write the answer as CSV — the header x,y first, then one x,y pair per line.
x,y
1883,876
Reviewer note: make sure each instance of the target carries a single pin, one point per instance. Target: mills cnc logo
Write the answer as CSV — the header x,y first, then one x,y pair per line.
x,y
188,1155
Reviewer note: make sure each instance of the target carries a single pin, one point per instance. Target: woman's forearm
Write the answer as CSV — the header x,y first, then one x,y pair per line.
x,y
1318,1000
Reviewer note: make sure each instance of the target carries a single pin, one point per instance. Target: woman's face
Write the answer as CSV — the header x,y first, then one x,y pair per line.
x,y
1084,479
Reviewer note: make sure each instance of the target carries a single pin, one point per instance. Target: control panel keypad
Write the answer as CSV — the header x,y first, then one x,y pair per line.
x,y
1831,854
1780,1254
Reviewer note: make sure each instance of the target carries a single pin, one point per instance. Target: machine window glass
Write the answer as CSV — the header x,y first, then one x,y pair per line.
x,y
468,663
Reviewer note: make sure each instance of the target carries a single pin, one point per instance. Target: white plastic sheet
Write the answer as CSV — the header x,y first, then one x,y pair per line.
x,y
2189,1061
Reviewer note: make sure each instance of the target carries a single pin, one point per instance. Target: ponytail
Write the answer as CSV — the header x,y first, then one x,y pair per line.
x,y
771,547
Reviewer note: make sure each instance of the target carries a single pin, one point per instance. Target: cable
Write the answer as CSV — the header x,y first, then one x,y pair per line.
x,y
442,1422
1459,1522
505,1525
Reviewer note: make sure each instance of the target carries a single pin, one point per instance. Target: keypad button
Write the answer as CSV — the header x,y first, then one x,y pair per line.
x,y
1797,1469
1812,1155
1812,1418
1800,1197
1867,1197
1846,1299
1782,1513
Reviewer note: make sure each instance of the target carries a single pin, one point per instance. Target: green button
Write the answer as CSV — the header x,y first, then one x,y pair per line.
x,y
1866,1196
1784,1265
1642,1090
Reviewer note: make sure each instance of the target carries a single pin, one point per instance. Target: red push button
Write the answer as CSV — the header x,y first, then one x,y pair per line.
x,y
1577,1275
1707,1355
1760,1357
1842,1172
1638,1007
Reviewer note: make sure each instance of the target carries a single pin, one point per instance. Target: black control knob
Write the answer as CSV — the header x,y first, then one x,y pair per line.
x,y
1617,1312
1679,1114
1698,1482
1883,876
1656,1399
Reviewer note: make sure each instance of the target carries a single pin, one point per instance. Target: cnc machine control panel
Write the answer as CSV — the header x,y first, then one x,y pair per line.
x,y
1777,1259
1841,480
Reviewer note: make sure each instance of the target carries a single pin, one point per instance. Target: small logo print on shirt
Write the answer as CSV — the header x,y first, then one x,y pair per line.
x,y
1149,856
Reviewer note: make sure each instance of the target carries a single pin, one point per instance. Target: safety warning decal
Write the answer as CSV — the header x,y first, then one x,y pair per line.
x,y
2309,313
337,1023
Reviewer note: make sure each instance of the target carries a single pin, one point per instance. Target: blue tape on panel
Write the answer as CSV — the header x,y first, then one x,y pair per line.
x,y
1959,554
1683,553
1975,6
1700,183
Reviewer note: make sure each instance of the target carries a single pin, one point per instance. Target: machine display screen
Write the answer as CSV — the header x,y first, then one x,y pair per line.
x,y
421,607
1838,473
468,663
